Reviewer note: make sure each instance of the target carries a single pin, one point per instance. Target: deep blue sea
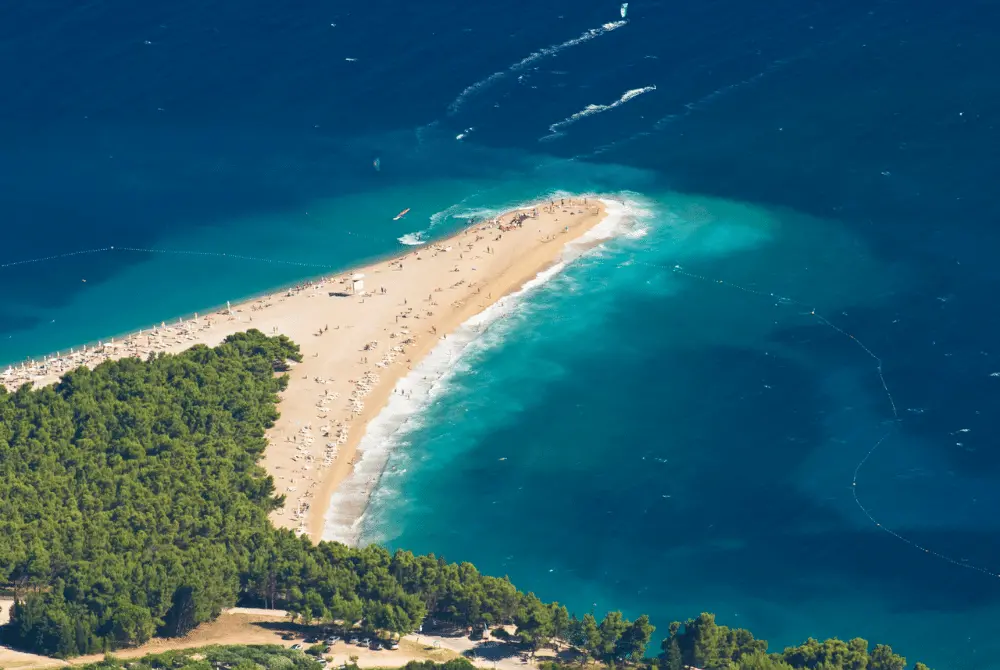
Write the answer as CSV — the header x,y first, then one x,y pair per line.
x,y
773,394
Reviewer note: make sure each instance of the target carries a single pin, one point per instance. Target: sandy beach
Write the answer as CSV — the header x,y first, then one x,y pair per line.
x,y
360,332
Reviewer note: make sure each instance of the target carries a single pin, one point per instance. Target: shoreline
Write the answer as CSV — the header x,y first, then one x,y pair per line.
x,y
502,285
511,286
358,340
326,274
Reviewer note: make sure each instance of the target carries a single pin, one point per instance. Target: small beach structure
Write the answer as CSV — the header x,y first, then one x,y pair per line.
x,y
358,283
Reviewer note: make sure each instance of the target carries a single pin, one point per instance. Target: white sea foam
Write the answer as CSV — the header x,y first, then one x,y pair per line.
x,y
477,213
437,217
454,212
482,85
431,376
623,220
411,239
401,415
555,130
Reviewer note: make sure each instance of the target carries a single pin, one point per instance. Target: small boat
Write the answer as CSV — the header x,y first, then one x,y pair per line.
x,y
624,9
401,214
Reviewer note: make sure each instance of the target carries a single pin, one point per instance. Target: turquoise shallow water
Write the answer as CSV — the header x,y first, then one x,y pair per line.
x,y
632,436
672,444
127,281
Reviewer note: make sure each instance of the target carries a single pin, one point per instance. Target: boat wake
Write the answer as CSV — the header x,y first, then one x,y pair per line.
x,y
772,68
556,129
694,106
534,57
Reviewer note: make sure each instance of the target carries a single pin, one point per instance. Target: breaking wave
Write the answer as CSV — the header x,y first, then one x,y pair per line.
x,y
411,239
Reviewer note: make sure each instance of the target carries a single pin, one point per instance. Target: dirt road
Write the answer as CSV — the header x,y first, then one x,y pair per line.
x,y
259,626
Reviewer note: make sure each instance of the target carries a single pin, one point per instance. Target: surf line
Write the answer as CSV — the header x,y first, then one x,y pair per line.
x,y
895,417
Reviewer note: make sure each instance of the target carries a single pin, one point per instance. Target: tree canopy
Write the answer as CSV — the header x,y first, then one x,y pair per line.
x,y
245,657
131,500
704,644
215,657
132,504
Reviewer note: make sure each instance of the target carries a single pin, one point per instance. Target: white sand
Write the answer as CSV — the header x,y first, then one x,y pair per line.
x,y
368,342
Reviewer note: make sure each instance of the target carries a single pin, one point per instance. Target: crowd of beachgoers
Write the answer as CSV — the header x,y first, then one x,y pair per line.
x,y
359,333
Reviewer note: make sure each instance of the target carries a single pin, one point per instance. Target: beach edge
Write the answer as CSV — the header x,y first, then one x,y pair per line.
x,y
542,258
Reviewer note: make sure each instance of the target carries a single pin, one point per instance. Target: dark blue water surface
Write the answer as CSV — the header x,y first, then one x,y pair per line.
x,y
671,448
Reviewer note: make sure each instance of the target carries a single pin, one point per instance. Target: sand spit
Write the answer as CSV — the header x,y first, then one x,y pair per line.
x,y
360,332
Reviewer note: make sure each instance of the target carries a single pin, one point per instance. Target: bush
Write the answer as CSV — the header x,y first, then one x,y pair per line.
x,y
316,650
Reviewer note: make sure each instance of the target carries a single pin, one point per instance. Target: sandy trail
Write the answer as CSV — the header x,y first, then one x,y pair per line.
x,y
252,626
